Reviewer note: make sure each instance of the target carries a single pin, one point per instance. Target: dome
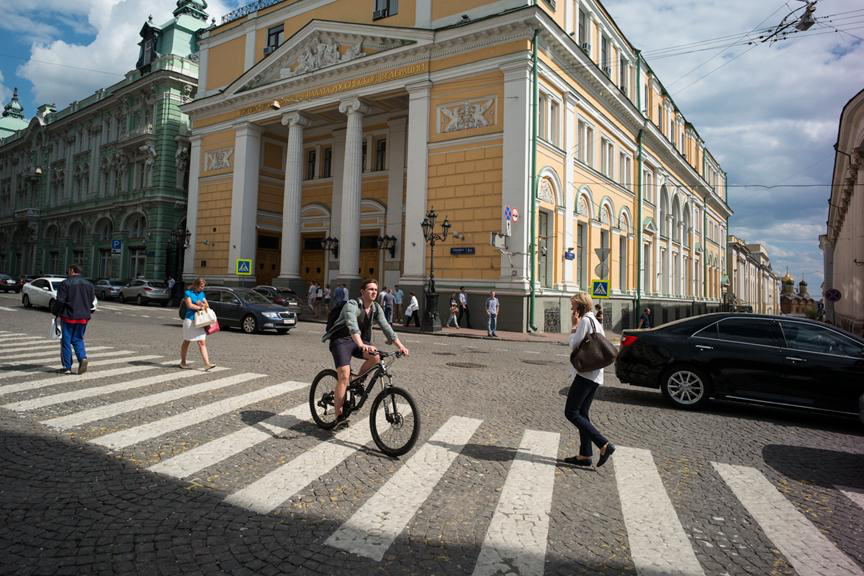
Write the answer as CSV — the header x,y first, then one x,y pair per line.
x,y
787,279
12,119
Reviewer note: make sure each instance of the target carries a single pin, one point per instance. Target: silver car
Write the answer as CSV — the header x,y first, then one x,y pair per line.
x,y
146,291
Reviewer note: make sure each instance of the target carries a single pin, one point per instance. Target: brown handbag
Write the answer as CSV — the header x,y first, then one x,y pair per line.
x,y
594,352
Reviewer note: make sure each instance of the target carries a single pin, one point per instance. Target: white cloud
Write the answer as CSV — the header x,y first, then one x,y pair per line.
x,y
62,71
5,93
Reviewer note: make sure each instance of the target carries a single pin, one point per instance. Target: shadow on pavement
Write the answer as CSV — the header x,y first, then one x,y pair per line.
x,y
827,468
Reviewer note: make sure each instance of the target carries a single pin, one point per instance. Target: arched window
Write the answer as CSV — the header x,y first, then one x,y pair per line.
x,y
664,203
676,220
104,230
685,231
136,225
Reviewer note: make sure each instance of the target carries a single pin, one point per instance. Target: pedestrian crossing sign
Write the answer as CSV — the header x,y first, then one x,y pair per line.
x,y
599,288
244,267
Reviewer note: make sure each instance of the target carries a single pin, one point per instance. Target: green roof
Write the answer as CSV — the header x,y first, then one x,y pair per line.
x,y
12,118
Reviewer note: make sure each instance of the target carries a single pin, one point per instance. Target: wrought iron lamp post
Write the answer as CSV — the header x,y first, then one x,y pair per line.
x,y
387,243
431,320
332,245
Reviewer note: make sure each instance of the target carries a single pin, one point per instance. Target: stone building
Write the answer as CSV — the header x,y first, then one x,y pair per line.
x,y
753,285
324,131
843,242
792,302
103,182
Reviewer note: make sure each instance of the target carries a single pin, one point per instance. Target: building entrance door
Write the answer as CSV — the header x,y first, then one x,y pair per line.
x,y
369,264
268,257
312,259
543,249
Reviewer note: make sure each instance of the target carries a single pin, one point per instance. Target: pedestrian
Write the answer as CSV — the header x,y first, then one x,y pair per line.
x,y
413,310
464,311
327,297
388,304
492,308
598,313
172,291
319,298
311,295
75,297
194,300
453,318
646,321
343,294
584,385
397,301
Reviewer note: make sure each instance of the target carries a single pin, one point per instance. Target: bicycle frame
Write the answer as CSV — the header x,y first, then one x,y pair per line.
x,y
381,371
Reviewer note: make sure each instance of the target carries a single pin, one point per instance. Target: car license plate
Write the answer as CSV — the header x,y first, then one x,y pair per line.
x,y
288,321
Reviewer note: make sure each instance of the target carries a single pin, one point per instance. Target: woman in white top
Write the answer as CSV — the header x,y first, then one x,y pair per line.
x,y
583,386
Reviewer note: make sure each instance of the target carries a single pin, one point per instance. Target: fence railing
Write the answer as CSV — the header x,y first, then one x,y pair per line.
x,y
248,9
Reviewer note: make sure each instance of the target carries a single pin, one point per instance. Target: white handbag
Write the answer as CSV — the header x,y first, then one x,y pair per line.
x,y
56,329
202,319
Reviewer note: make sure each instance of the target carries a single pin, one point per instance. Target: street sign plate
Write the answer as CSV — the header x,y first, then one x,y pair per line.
x,y
833,295
599,288
514,215
508,228
569,255
244,267
462,251
116,246
507,213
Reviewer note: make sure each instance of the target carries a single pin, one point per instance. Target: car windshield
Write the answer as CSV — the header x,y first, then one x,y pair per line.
x,y
250,296
4,277
157,284
55,284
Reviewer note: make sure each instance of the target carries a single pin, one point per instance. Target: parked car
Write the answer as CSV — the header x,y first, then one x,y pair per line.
x,y
780,361
282,296
108,289
9,284
144,292
248,310
43,292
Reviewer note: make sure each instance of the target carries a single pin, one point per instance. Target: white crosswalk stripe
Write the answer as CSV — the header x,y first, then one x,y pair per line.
x,y
75,395
372,529
131,436
856,497
74,378
58,367
126,406
221,449
658,543
18,338
803,545
36,361
28,348
269,492
39,353
516,538
5,309
21,341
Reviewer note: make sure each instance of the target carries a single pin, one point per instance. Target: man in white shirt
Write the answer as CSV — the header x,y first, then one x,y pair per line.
x,y
492,307
464,311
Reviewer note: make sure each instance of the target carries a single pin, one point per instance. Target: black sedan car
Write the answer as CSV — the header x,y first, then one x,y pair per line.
x,y
773,360
281,296
248,310
9,284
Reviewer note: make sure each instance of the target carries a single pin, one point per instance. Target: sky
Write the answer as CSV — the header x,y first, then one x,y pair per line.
x,y
768,112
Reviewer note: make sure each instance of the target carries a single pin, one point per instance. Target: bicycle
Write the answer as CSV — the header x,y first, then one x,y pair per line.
x,y
401,418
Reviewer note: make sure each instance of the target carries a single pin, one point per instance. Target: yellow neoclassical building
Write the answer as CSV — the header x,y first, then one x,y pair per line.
x,y
325,130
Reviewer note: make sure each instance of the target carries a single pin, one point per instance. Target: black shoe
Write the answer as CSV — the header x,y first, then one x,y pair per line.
x,y
341,423
578,461
610,449
82,366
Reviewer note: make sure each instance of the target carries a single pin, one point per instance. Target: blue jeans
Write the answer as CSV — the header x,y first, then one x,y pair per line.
x,y
73,336
576,410
492,324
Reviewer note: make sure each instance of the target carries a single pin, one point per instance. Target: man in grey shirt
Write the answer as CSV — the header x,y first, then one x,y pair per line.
x,y
492,307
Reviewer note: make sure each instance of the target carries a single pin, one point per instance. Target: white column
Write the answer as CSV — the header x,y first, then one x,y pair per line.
x,y
415,198
249,52
424,13
337,162
396,136
202,72
291,200
244,195
192,206
567,183
516,190
352,184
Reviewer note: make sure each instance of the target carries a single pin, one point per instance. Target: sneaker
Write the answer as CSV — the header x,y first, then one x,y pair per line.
x,y
67,372
82,366
184,366
209,367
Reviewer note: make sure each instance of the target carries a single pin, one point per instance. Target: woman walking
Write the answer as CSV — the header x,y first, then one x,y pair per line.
x,y
453,318
195,301
583,386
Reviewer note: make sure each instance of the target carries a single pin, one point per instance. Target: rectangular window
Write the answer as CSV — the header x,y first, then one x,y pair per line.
x,y
542,128
646,263
604,55
622,263
581,254
274,38
310,165
623,73
583,29
554,115
385,8
365,152
607,163
327,164
606,248
380,154
105,263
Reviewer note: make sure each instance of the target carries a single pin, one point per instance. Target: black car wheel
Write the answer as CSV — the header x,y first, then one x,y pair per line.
x,y
25,300
250,325
685,387
139,300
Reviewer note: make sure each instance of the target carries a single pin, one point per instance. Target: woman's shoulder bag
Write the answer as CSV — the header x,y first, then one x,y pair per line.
x,y
594,352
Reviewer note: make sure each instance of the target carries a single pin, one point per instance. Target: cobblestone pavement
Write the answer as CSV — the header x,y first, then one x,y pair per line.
x,y
140,468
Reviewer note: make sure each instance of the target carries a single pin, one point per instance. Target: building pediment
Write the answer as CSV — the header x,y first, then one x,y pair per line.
x,y
323,46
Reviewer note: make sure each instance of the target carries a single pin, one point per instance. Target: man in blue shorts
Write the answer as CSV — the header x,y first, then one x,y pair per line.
x,y
351,337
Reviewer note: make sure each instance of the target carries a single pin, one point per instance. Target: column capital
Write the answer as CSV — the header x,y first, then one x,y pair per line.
x,y
247,129
570,99
295,119
353,106
418,89
517,69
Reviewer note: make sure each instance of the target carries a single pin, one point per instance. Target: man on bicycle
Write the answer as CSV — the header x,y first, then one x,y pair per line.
x,y
351,336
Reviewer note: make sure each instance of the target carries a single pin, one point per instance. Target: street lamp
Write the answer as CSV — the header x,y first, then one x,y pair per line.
x,y
331,244
387,243
431,320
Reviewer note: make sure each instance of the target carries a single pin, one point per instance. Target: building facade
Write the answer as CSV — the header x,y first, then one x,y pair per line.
x,y
753,286
325,130
103,182
792,302
843,242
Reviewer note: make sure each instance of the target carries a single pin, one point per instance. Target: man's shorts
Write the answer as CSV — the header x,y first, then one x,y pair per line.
x,y
343,349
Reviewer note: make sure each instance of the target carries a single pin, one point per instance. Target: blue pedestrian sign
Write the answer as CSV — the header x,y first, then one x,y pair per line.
x,y
599,288
116,246
244,267
507,213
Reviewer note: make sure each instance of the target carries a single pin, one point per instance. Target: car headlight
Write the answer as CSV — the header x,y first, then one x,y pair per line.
x,y
272,315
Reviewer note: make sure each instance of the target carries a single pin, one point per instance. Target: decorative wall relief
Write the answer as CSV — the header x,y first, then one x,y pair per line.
x,y
545,192
552,319
467,115
218,159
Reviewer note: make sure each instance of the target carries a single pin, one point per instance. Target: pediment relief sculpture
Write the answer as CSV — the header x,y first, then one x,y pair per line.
x,y
467,115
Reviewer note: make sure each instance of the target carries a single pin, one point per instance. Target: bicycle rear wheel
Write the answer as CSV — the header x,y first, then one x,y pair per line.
x,y
395,421
321,399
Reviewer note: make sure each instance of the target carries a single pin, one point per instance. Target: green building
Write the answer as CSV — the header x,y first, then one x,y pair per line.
x,y
103,182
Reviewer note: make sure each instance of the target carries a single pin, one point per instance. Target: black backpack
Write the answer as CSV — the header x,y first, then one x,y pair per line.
x,y
182,310
333,317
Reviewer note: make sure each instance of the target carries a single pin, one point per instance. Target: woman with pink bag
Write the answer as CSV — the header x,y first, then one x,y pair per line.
x,y
194,301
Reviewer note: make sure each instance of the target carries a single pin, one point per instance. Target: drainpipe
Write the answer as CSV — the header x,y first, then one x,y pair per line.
x,y
639,184
533,175
705,245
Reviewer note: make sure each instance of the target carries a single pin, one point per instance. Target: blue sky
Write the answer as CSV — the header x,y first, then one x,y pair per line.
x,y
768,112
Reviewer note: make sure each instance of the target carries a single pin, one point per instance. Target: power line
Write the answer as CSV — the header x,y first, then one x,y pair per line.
x,y
12,56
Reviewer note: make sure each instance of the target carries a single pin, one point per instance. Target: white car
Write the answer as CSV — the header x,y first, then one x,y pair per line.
x,y
43,292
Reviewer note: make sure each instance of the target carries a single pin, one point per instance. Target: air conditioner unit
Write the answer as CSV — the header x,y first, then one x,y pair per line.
x,y
586,47
269,49
382,13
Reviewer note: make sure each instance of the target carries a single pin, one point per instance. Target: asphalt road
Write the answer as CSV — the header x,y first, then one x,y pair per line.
x,y
141,468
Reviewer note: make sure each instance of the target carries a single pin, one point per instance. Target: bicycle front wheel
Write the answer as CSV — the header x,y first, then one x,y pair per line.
x,y
321,399
395,421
